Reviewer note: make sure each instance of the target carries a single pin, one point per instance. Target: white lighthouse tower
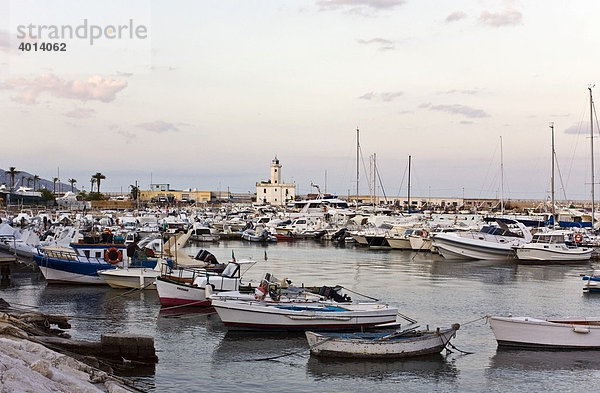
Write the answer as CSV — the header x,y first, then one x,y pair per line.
x,y
273,191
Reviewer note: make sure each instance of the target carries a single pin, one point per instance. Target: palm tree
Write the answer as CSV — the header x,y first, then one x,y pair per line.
x,y
98,176
135,192
72,181
54,181
12,172
35,178
92,181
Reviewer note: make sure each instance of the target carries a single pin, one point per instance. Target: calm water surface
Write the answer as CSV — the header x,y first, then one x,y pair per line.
x,y
198,354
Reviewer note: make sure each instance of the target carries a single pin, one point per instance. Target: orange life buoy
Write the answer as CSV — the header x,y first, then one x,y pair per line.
x,y
578,238
113,255
425,233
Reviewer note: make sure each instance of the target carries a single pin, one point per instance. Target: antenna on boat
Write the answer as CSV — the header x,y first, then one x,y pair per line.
x,y
592,148
501,178
357,162
552,177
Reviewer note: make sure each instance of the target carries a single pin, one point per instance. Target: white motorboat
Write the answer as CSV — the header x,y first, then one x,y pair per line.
x,y
132,277
553,246
493,242
377,345
546,333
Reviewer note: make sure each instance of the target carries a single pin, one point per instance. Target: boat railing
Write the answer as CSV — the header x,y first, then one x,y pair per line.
x,y
68,255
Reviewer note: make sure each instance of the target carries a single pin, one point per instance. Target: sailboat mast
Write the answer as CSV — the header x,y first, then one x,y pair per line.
x,y
409,159
501,178
552,177
357,154
592,149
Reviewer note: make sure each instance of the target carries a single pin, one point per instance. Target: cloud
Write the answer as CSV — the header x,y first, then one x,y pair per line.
x,y
375,41
578,129
80,113
358,5
457,109
129,136
158,126
385,44
385,96
461,91
390,96
509,17
94,88
367,96
455,16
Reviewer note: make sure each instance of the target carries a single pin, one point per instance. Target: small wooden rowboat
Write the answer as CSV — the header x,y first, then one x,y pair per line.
x,y
404,344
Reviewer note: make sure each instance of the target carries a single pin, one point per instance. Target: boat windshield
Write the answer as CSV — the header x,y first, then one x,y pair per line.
x,y
230,270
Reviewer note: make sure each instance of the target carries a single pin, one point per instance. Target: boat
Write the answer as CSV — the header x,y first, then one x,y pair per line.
x,y
203,233
285,315
376,345
132,277
592,282
492,242
80,262
554,246
278,306
187,286
546,333
61,265
264,237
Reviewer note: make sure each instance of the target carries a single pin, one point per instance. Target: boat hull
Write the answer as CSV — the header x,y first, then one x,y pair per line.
x,y
455,248
255,315
62,271
378,345
552,253
132,278
178,293
524,332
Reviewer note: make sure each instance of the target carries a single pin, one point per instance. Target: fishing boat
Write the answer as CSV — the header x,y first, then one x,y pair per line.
x,y
61,265
375,345
289,308
189,286
546,333
80,262
553,246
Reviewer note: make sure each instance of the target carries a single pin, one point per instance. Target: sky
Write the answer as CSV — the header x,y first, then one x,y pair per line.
x,y
204,94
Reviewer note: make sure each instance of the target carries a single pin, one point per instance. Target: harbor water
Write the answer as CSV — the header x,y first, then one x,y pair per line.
x,y
197,353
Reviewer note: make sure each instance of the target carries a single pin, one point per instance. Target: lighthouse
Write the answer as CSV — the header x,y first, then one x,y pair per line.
x,y
274,192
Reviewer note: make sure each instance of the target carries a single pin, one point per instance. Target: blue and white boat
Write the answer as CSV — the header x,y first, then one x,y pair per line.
x,y
79,263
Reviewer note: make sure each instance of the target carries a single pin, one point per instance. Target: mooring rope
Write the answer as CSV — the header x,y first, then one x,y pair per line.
x,y
360,294
130,291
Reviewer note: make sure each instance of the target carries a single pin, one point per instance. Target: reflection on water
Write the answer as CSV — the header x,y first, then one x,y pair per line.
x,y
247,346
432,368
514,359
493,272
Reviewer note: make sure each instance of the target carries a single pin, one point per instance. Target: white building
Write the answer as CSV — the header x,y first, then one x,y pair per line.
x,y
273,191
